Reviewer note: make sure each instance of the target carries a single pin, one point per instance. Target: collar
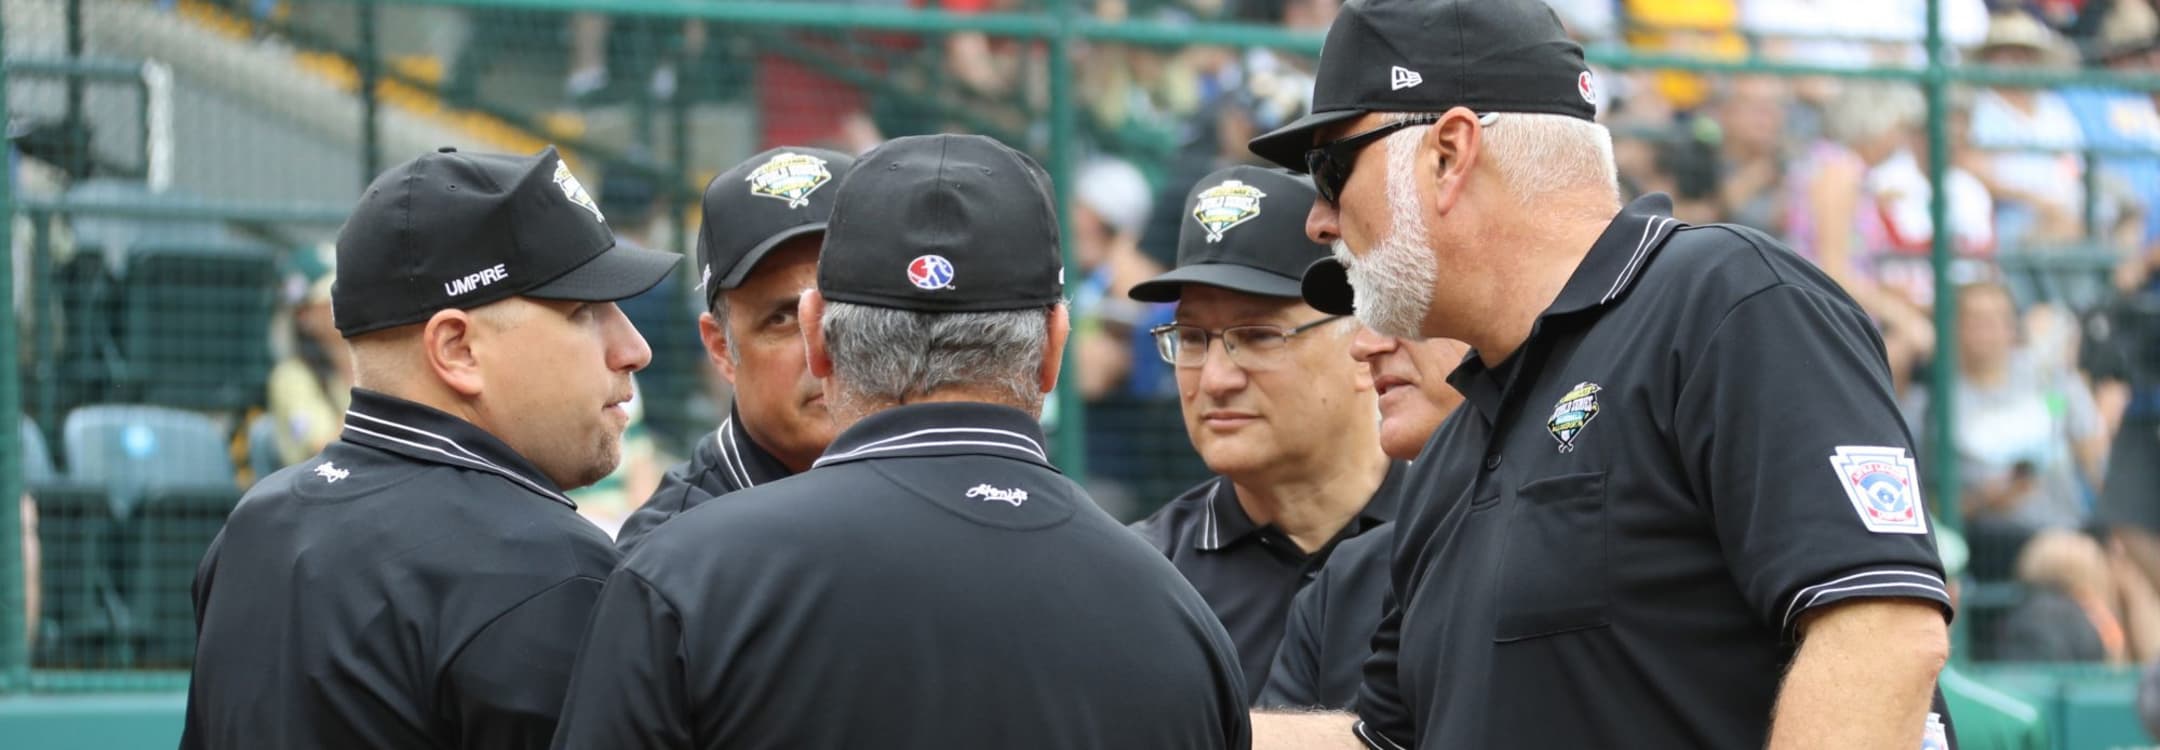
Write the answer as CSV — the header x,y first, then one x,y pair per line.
x,y
742,462
1223,521
940,429
1618,256
423,433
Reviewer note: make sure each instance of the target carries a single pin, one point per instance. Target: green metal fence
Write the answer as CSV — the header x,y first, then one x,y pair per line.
x,y
216,143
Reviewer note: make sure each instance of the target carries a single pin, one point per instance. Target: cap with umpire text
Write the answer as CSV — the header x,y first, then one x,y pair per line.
x,y
767,200
1434,55
945,224
452,230
1243,229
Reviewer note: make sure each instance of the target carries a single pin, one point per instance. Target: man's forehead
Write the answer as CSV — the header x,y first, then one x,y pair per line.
x,y
1198,302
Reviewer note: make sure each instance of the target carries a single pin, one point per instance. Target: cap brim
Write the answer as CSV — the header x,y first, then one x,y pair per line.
x,y
1287,145
1327,287
618,273
742,269
1236,278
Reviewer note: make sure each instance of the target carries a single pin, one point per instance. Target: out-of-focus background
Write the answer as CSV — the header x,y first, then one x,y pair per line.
x,y
177,168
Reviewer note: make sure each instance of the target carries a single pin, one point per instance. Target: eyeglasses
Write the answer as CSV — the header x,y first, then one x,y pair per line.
x,y
1330,163
1253,348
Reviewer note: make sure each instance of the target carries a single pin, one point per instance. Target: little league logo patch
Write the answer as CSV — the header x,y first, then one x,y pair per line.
x,y
1226,205
1884,486
930,272
790,177
575,190
1573,413
1935,737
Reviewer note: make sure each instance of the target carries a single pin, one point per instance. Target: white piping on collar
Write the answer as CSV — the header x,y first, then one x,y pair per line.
x,y
736,466
468,457
879,446
1653,233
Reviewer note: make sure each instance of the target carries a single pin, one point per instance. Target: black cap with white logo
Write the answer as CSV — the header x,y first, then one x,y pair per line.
x,y
946,224
769,199
1243,230
1434,55
453,230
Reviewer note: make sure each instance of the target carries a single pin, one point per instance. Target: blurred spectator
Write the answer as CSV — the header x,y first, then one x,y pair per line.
x,y
311,385
1693,28
2121,120
1750,113
1685,165
1112,201
1831,219
1987,718
2028,439
33,571
1902,195
2084,603
2031,139
588,74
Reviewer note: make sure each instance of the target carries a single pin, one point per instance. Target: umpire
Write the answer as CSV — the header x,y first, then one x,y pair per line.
x,y
1679,507
757,253
424,582
932,582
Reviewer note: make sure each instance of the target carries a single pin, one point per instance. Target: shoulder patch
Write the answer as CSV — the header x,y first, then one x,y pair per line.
x,y
1884,486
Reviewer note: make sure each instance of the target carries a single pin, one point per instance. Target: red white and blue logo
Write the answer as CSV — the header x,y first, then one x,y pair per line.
x,y
1884,486
932,272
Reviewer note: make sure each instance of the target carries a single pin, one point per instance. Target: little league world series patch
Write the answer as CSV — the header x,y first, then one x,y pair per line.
x,y
790,177
1226,205
1573,413
1884,486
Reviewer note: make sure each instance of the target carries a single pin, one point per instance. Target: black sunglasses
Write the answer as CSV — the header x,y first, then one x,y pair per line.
x,y
1330,163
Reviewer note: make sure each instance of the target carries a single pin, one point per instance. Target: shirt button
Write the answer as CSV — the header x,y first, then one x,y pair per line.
x,y
1492,462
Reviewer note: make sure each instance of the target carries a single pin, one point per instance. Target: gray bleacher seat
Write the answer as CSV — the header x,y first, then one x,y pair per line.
x,y
129,448
195,326
37,460
117,237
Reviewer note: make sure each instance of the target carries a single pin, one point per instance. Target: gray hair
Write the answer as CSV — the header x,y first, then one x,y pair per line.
x,y
1538,154
886,356
719,309
1865,110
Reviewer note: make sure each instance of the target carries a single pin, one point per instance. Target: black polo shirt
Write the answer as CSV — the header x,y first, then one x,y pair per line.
x,y
1248,572
933,582
417,584
723,461
1328,631
1611,542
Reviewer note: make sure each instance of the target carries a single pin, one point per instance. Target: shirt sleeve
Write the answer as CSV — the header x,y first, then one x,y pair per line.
x,y
1294,680
1787,426
629,689
1383,722
505,687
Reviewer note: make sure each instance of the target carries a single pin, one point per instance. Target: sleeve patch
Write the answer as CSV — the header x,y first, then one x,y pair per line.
x,y
1884,486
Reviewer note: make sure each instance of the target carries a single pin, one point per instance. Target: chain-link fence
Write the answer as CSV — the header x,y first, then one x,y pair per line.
x,y
178,166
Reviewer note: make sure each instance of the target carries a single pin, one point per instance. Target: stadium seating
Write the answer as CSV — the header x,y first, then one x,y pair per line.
x,y
37,464
262,455
84,624
130,448
163,542
195,324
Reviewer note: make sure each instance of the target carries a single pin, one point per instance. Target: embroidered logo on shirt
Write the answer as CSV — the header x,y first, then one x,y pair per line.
x,y
1572,414
1015,496
330,472
1884,486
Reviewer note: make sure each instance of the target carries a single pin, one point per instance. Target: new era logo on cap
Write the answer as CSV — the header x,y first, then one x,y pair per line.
x,y
1400,78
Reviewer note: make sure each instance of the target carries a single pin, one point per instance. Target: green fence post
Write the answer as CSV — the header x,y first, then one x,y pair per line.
x,y
1942,380
370,105
1064,126
14,604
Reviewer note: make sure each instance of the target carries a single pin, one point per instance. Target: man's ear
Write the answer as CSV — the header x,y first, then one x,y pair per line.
x,y
810,314
1054,349
715,335
448,343
1452,148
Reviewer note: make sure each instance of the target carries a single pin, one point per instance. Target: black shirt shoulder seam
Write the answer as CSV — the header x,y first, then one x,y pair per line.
x,y
459,652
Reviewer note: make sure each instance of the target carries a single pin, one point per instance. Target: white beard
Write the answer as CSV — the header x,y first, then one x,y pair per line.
x,y
1392,286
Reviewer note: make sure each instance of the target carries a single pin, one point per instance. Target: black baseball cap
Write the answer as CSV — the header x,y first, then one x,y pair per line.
x,y
768,199
945,224
1243,230
1326,287
1435,55
453,230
